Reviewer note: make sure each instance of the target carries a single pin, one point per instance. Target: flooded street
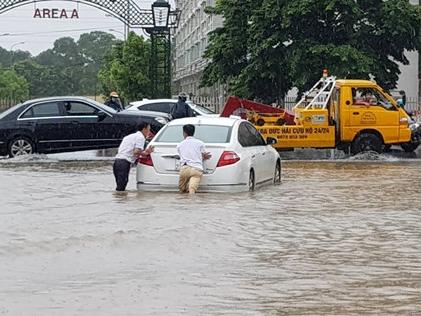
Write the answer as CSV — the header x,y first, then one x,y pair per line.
x,y
335,238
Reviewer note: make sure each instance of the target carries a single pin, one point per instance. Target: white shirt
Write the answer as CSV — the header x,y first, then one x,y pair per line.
x,y
129,144
190,151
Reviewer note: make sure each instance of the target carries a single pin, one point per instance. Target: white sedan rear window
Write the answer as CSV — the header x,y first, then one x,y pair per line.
x,y
206,133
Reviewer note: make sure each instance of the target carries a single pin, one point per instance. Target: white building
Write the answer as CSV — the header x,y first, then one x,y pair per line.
x,y
191,39
409,80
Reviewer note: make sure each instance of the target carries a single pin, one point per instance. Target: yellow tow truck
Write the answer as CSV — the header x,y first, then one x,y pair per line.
x,y
352,115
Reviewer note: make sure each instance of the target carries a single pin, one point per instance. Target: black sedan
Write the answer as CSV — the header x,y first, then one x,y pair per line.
x,y
60,124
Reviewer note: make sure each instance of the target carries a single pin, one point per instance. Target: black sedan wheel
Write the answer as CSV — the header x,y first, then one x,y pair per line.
x,y
21,146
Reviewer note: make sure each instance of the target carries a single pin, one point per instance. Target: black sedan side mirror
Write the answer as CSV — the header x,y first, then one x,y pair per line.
x,y
101,116
271,141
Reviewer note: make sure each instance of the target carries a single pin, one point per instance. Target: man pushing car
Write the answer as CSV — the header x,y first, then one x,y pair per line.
x,y
192,154
131,148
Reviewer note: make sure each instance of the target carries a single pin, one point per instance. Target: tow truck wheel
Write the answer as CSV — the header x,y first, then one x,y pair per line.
x,y
260,122
366,142
387,148
409,147
277,175
252,181
280,122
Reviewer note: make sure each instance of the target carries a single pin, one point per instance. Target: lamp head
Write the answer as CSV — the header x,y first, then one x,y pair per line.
x,y
160,14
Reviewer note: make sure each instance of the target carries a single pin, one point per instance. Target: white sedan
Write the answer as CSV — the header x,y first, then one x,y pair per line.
x,y
241,159
166,105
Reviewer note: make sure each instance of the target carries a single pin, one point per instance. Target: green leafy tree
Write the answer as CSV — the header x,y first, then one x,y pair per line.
x,y
267,77
42,80
7,58
228,47
93,46
74,66
65,59
288,42
12,86
354,39
126,69
69,68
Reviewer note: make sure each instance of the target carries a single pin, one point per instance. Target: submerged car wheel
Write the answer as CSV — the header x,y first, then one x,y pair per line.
x,y
277,175
366,142
409,147
21,146
252,181
386,148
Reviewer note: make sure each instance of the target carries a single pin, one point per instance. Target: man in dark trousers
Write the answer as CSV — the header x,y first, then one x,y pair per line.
x,y
181,108
131,148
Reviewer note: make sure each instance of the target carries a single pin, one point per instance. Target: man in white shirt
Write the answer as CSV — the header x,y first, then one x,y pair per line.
x,y
192,153
131,148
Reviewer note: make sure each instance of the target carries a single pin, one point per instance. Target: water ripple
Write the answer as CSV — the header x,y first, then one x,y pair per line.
x,y
335,238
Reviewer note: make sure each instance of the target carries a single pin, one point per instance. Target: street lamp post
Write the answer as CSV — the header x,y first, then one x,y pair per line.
x,y
117,31
12,53
126,27
160,63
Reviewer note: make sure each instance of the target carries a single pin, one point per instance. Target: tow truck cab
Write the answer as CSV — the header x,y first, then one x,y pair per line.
x,y
381,115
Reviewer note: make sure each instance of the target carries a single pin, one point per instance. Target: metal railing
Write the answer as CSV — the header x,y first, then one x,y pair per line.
x,y
413,104
7,103
213,103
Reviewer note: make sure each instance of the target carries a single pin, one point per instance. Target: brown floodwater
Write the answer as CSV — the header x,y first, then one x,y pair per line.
x,y
338,237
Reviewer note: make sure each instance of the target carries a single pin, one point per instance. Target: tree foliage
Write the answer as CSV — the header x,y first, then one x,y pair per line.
x,y
42,80
78,62
126,69
12,86
69,68
8,58
267,46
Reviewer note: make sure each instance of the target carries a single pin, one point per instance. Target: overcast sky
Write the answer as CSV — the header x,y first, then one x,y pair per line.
x,y
40,34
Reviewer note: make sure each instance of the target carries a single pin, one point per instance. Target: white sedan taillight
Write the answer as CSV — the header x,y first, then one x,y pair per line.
x,y
147,160
228,158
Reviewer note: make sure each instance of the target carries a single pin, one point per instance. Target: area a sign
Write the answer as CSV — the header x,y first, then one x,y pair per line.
x,y
56,14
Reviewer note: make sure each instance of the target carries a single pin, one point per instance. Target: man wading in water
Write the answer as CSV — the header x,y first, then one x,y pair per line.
x,y
192,153
131,148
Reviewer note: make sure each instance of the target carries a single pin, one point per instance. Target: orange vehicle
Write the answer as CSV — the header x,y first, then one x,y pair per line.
x,y
352,115
257,113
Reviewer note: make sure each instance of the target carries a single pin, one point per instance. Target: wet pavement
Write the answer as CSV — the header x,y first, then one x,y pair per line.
x,y
337,237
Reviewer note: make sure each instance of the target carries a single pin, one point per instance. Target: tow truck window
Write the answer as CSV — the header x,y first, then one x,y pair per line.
x,y
209,134
370,97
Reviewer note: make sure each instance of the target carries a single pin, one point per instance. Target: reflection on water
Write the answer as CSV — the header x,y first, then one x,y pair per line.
x,y
335,238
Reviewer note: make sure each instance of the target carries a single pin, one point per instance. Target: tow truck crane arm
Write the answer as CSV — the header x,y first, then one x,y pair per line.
x,y
240,107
